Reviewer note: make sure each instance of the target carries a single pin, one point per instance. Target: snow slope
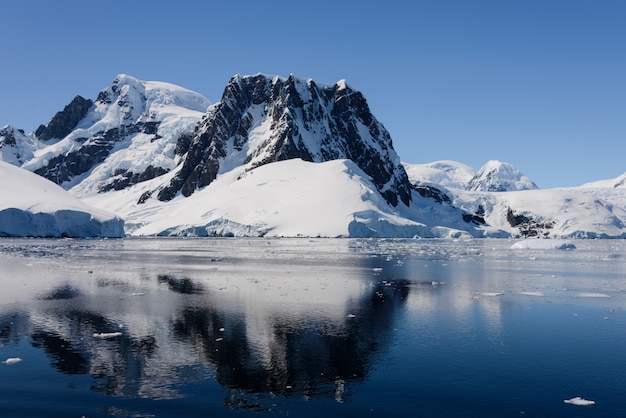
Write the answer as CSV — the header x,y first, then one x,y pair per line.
x,y
550,213
33,206
445,173
286,198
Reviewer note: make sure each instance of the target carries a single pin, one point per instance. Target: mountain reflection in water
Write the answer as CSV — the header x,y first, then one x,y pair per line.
x,y
266,329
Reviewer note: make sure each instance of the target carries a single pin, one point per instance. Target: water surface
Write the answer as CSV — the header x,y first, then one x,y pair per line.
x,y
299,327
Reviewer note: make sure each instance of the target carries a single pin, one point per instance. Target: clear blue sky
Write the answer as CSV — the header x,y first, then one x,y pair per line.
x,y
540,84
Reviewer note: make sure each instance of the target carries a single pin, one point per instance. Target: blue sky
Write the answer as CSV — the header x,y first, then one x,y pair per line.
x,y
537,83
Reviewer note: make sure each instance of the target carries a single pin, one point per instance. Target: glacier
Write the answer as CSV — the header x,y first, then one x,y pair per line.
x,y
33,206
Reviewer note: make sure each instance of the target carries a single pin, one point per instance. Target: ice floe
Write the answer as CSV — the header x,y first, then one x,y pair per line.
x,y
106,335
591,295
543,244
12,360
491,294
579,401
538,294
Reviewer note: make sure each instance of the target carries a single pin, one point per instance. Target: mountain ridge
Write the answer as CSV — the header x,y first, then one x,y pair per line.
x,y
162,156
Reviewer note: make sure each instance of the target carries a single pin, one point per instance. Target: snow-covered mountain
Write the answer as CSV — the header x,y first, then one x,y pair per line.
x,y
33,206
445,173
494,176
15,146
285,157
262,119
129,134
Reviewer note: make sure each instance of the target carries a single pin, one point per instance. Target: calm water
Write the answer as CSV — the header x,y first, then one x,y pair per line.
x,y
297,327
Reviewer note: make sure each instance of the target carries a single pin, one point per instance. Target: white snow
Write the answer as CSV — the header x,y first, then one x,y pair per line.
x,y
445,173
33,206
287,198
543,244
499,176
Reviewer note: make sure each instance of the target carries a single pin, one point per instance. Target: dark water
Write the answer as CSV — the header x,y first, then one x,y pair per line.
x,y
295,327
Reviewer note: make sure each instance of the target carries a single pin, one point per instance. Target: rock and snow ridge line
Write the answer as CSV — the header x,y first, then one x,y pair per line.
x,y
145,149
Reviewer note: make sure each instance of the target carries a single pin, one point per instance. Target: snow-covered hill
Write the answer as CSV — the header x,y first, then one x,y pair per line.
x,y
287,198
33,206
618,182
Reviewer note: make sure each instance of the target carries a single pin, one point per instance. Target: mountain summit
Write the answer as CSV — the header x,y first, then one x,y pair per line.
x,y
127,135
262,119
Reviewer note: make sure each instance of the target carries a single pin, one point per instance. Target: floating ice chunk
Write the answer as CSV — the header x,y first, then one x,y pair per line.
x,y
105,335
591,295
377,269
351,316
137,294
579,401
12,360
543,244
538,294
492,293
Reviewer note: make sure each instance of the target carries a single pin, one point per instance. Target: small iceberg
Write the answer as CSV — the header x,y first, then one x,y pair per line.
x,y
591,295
12,360
579,401
106,335
537,294
491,294
543,244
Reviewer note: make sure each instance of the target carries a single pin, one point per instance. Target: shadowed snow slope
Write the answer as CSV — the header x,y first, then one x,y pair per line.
x,y
33,206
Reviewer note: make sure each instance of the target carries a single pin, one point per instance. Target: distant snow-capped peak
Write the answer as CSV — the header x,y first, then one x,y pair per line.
x,y
16,147
496,176
450,174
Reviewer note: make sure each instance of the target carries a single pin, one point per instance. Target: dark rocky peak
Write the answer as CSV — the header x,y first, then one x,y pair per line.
x,y
262,119
63,122
7,135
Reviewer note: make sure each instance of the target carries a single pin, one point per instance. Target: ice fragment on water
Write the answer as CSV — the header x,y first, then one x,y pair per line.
x,y
105,335
591,295
579,401
539,294
12,360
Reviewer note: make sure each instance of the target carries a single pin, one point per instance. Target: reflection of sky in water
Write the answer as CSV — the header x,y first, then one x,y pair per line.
x,y
309,319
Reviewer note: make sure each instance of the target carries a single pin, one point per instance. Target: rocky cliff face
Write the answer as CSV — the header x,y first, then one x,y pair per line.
x,y
65,121
263,119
